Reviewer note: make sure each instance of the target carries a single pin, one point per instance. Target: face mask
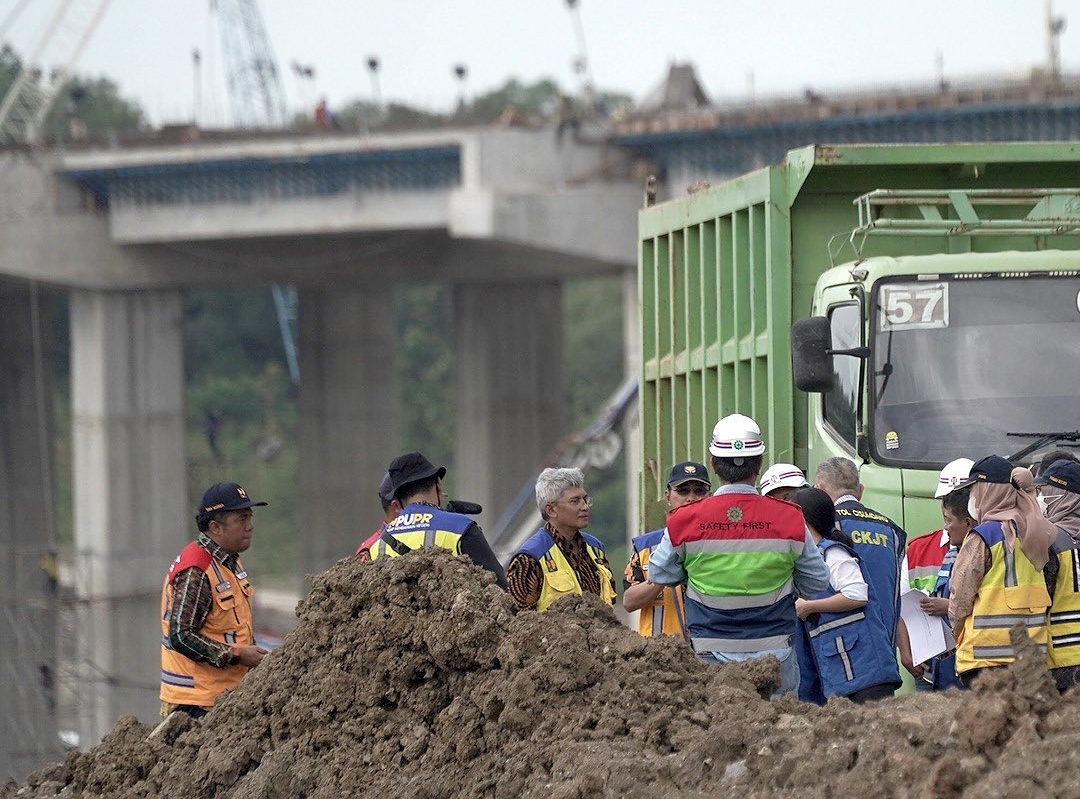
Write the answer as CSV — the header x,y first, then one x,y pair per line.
x,y
973,511
1042,503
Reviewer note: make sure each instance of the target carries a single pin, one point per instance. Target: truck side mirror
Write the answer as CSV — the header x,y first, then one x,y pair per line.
x,y
811,355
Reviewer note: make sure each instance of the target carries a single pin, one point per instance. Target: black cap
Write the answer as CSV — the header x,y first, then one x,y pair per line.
x,y
991,469
386,489
1061,474
222,497
411,468
687,471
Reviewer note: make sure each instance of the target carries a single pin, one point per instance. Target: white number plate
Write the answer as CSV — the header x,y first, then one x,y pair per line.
x,y
913,306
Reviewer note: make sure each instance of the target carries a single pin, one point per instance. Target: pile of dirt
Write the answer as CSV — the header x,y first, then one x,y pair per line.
x,y
415,677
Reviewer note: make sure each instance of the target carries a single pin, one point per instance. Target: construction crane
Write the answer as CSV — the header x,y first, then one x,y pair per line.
x,y
256,95
257,100
27,103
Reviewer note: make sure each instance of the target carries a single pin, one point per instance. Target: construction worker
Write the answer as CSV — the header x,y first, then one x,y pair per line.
x,y
391,510
997,580
927,567
743,558
879,544
1059,493
207,637
781,480
416,485
662,607
559,559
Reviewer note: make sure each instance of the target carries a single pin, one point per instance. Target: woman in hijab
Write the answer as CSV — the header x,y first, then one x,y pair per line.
x,y
997,580
1059,496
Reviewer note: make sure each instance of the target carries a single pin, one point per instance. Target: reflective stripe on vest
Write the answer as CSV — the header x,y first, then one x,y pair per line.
x,y
925,555
739,552
188,682
663,617
559,577
1063,645
421,527
1012,592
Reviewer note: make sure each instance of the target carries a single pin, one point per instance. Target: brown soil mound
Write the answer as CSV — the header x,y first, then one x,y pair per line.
x,y
415,677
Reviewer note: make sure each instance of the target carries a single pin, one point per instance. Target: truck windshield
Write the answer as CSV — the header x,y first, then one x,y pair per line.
x,y
958,363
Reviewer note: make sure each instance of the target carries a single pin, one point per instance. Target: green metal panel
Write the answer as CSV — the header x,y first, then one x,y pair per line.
x,y
724,272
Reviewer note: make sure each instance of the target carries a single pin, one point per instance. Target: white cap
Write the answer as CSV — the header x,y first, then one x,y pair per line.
x,y
954,473
736,436
782,475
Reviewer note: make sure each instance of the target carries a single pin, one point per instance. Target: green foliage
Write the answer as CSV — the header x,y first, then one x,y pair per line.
x,y
593,311
426,370
90,107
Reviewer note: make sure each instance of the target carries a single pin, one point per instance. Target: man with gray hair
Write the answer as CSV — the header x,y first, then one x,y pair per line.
x,y
879,545
559,559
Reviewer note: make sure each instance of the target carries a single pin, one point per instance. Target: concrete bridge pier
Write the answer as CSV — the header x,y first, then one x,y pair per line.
x,y
28,663
348,416
130,505
510,393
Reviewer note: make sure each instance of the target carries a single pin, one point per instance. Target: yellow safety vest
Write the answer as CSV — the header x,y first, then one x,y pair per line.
x,y
422,526
1063,646
1012,592
560,579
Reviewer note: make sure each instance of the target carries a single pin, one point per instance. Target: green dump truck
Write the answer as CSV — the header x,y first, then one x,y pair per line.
x,y
901,305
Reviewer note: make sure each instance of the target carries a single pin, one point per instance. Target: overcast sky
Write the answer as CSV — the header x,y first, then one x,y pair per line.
x,y
765,46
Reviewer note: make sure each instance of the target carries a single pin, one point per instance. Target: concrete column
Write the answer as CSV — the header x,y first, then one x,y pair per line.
x,y
130,505
348,417
510,396
28,664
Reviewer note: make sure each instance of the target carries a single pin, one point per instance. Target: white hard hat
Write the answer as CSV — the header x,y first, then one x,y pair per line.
x,y
954,473
782,475
736,436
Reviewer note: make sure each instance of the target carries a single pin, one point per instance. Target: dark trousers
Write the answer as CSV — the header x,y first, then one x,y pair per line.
x,y
872,693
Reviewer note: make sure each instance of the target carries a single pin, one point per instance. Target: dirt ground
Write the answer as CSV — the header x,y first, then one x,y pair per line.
x,y
415,677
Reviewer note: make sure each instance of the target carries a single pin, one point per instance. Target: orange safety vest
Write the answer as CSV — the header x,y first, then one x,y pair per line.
x,y
189,682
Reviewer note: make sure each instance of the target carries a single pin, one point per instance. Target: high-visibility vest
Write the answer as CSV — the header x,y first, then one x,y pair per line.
x,y
739,552
1012,592
661,617
925,555
421,526
1063,644
559,577
189,682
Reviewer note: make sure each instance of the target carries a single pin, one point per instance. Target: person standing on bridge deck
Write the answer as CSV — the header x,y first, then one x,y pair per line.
x,y
997,579
662,606
416,484
743,558
207,636
559,559
879,543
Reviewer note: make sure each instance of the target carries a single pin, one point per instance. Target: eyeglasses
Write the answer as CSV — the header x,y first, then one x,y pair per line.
x,y
578,502
698,490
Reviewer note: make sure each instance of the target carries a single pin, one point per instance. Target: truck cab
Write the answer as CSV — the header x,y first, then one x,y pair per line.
x,y
917,360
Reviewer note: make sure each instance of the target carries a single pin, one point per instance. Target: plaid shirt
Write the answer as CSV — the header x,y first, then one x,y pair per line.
x,y
192,601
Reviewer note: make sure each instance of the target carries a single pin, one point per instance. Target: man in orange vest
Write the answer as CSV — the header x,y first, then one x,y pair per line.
x,y
662,609
207,638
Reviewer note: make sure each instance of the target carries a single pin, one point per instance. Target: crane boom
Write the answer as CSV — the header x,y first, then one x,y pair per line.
x,y
25,106
255,91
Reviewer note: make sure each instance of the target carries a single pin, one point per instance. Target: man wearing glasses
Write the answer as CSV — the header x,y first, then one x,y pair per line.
x,y
559,559
662,609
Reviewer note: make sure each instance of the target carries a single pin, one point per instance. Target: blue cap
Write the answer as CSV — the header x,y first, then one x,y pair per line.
x,y
1061,474
687,471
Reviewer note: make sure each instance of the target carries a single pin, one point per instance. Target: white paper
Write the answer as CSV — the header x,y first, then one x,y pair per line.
x,y
926,634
